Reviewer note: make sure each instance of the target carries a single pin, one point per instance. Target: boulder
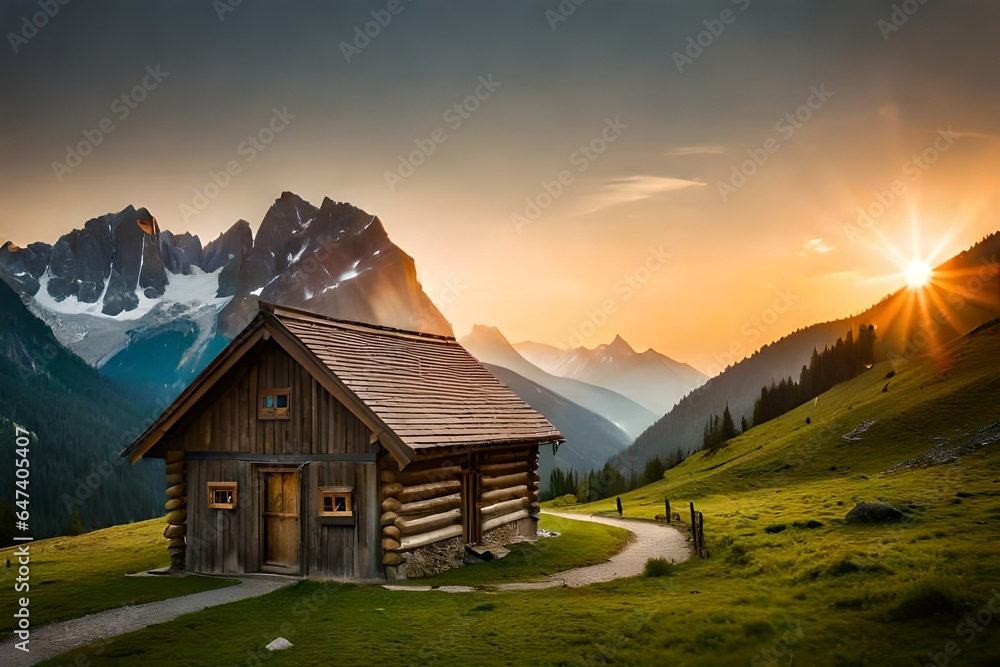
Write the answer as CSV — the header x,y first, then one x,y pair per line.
x,y
874,513
279,644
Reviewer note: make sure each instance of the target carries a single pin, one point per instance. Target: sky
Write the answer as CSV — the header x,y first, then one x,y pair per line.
x,y
694,176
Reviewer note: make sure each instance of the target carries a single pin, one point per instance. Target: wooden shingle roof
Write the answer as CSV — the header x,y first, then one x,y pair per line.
x,y
427,389
416,392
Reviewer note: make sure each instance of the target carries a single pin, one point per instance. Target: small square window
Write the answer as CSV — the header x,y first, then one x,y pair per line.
x,y
273,404
222,495
335,501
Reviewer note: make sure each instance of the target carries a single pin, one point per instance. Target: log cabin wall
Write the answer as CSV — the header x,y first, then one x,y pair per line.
x,y
509,491
428,502
224,441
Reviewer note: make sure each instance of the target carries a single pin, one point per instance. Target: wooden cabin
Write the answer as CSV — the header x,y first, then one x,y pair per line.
x,y
329,449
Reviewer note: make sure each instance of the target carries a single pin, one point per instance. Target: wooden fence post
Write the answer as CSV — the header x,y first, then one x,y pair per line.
x,y
694,529
666,502
702,549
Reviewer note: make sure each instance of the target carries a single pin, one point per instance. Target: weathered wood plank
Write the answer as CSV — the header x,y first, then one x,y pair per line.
x,y
506,507
505,519
509,493
426,491
432,505
506,481
423,539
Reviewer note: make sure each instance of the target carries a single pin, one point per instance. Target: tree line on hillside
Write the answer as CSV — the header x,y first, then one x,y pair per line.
x,y
719,429
848,358
845,360
78,423
607,482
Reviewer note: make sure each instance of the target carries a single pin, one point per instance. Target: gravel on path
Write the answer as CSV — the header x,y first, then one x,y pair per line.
x,y
51,640
652,540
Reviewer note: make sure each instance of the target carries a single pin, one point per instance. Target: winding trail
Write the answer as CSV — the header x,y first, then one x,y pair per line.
x,y
50,640
652,540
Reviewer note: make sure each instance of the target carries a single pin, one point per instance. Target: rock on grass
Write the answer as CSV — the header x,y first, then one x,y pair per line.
x,y
874,513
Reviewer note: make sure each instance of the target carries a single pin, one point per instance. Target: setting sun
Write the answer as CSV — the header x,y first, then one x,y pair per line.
x,y
918,273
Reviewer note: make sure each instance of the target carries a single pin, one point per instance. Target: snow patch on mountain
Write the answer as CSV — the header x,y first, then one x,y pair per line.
x,y
97,337
196,290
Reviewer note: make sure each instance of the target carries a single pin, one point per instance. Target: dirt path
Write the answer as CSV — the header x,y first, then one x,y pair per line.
x,y
51,640
652,540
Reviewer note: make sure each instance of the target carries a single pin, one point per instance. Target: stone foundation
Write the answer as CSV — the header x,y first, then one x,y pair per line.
x,y
429,560
447,554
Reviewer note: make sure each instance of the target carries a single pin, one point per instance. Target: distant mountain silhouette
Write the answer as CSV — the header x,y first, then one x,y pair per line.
x,y
653,380
590,438
489,346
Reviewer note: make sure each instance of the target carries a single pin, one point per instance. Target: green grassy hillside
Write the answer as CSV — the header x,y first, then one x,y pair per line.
x,y
76,576
789,582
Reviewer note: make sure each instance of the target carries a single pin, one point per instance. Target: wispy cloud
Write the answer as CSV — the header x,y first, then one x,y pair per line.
x,y
635,188
817,245
963,134
696,150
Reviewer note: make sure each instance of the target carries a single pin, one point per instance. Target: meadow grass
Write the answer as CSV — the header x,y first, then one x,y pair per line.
x,y
76,576
818,592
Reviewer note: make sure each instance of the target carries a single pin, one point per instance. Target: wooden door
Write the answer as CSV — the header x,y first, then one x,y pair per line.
x,y
281,518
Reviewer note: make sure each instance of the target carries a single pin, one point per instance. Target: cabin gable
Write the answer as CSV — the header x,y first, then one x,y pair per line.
x,y
228,419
